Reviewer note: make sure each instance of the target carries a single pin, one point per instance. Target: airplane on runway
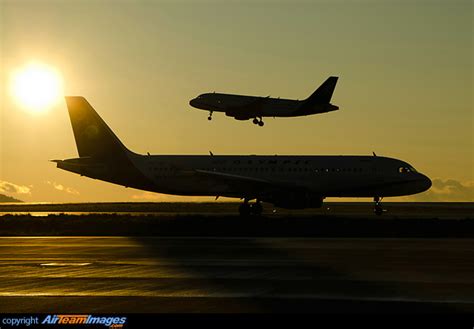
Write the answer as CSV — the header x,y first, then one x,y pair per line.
x,y
293,182
242,107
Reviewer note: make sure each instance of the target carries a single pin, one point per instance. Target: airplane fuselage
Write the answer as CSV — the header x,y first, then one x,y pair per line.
x,y
243,107
316,176
246,107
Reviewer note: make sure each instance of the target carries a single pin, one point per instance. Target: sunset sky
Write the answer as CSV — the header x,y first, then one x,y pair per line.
x,y
405,88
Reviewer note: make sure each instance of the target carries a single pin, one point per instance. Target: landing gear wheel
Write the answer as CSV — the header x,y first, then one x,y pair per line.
x,y
244,209
260,123
255,121
256,208
378,209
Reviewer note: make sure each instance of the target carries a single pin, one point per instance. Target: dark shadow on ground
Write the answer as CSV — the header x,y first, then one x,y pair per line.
x,y
300,279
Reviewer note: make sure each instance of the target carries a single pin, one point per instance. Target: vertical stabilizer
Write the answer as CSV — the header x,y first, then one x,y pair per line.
x,y
93,137
323,94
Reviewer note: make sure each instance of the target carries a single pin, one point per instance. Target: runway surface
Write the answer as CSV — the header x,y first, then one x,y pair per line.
x,y
191,274
400,210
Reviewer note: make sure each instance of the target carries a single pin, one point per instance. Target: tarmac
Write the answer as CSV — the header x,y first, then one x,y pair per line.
x,y
236,274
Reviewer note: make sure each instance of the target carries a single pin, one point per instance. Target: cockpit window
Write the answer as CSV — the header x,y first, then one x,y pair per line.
x,y
404,170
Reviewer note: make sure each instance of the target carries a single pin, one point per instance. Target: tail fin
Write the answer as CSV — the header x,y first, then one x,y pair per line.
x,y
323,94
93,137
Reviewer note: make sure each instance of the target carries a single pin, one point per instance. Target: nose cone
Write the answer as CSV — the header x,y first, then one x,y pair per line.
x,y
192,102
424,183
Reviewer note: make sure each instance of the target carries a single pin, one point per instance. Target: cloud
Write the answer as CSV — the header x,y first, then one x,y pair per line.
x,y
7,187
62,188
448,190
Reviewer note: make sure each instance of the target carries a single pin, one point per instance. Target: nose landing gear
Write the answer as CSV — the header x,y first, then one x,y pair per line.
x,y
378,209
210,116
258,122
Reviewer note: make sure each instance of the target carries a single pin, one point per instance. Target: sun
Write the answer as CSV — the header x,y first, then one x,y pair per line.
x,y
36,87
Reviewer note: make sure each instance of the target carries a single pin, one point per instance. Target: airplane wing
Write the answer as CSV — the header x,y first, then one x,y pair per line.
x,y
247,111
250,186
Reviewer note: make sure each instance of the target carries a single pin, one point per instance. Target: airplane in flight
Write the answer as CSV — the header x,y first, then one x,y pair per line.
x,y
242,107
286,181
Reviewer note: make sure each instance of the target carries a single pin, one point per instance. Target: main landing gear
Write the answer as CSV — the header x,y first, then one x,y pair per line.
x,y
378,209
258,122
246,209
210,116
